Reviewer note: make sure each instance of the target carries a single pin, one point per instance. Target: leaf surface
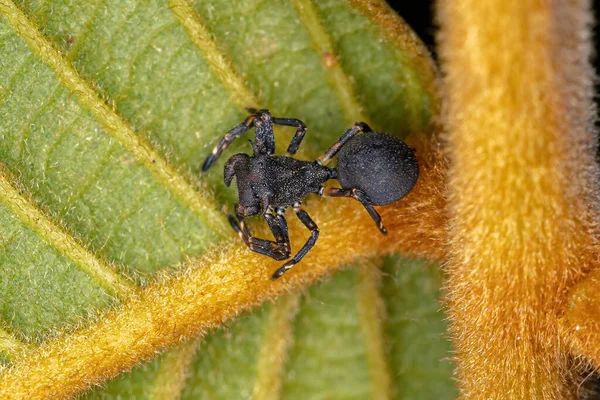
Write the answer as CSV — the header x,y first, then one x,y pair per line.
x,y
109,156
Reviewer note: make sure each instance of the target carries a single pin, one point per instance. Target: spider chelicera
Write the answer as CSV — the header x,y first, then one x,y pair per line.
x,y
373,168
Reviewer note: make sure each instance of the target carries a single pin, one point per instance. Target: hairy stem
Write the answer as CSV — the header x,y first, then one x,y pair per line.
x,y
521,178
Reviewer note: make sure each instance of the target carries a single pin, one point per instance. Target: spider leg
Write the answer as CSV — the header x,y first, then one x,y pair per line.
x,y
314,234
265,138
226,140
298,136
279,250
359,195
265,141
349,134
279,227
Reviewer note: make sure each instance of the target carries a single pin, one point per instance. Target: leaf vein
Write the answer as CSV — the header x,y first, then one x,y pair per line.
x,y
4,94
28,124
220,64
275,347
88,27
143,50
323,44
66,132
202,205
25,209
370,307
134,208
171,376
89,181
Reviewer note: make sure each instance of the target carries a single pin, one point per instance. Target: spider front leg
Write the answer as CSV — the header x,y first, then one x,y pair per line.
x,y
279,250
359,195
314,235
298,136
265,140
349,134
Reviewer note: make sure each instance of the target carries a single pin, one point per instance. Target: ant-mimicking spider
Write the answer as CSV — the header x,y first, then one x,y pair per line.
x,y
373,168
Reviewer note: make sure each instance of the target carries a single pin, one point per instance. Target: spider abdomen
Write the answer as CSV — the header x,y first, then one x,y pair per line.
x,y
380,165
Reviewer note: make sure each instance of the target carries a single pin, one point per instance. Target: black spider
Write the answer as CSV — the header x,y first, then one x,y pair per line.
x,y
373,168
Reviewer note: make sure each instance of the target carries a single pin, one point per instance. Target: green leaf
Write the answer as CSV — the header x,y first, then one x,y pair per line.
x,y
102,137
